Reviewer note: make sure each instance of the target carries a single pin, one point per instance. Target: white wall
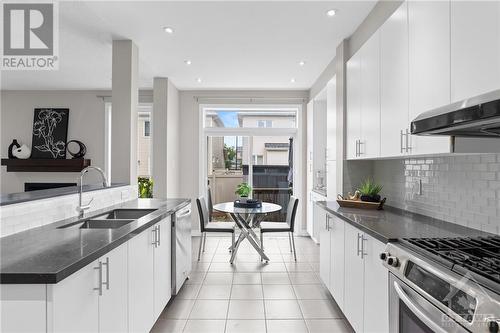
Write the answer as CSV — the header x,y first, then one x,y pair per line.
x,y
86,123
190,133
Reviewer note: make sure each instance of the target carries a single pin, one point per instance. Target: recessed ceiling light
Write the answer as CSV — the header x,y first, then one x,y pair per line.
x,y
168,30
187,62
331,12
302,63
198,80
292,80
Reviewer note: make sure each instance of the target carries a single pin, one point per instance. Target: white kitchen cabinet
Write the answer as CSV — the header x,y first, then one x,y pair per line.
x,y
366,302
318,216
363,101
354,278
376,287
475,48
113,301
353,99
140,287
429,67
337,260
162,267
73,303
325,251
394,117
94,299
369,144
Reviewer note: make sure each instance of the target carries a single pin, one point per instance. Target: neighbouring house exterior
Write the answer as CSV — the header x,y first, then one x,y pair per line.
x,y
144,144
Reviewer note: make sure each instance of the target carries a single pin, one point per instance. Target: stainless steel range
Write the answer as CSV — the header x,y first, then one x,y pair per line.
x,y
444,285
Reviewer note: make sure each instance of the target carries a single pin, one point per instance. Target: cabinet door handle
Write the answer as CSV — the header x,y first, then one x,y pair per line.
x,y
401,142
327,224
159,234
107,273
154,242
408,145
359,144
99,288
359,250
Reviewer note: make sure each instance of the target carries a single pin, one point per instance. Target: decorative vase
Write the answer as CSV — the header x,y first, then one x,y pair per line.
x,y
24,152
13,146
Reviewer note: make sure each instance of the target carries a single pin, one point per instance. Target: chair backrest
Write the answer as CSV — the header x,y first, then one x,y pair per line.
x,y
202,212
210,203
291,211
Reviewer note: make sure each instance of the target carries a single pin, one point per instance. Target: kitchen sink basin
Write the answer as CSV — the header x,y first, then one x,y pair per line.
x,y
127,214
104,224
98,224
111,220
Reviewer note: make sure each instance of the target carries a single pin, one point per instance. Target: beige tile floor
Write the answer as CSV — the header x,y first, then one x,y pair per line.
x,y
250,296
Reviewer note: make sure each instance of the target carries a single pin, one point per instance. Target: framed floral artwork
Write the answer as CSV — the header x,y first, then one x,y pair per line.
x,y
50,132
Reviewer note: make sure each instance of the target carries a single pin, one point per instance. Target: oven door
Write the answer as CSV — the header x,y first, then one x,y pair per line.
x,y
411,312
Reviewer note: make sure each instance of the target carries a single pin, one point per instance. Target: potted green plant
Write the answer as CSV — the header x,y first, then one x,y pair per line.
x,y
243,190
370,190
145,187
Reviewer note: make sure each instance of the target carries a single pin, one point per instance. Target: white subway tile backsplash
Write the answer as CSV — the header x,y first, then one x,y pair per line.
x,y
461,189
23,216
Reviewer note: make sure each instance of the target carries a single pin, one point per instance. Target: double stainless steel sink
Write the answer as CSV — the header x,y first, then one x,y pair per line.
x,y
111,220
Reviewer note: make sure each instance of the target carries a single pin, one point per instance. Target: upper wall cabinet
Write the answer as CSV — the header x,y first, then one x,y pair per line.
x,y
353,96
475,48
394,118
429,80
363,101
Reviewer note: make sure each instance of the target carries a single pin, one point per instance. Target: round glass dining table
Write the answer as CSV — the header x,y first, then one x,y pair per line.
x,y
246,219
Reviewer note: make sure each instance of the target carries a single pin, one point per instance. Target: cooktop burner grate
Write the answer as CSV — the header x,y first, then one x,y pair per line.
x,y
480,255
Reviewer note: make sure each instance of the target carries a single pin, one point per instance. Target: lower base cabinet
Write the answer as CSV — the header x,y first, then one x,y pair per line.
x,y
140,275
351,270
94,299
354,278
123,291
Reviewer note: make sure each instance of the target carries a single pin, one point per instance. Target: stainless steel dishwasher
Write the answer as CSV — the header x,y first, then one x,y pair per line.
x,y
181,247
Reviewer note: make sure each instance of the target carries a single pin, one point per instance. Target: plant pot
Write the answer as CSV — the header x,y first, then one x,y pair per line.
x,y
370,198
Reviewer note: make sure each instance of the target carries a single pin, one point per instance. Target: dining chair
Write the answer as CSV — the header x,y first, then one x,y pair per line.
x,y
287,226
207,226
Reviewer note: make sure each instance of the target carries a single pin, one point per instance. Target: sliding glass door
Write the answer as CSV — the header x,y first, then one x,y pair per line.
x,y
251,146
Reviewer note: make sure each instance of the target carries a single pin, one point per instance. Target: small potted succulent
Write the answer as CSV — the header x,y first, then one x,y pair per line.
x,y
243,190
370,191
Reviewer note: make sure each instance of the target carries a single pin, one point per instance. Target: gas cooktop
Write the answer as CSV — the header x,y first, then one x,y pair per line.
x,y
478,257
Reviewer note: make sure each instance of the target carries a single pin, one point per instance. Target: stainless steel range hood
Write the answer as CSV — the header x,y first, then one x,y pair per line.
x,y
474,117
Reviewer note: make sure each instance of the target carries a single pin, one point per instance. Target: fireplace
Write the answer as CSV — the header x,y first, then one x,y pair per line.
x,y
28,187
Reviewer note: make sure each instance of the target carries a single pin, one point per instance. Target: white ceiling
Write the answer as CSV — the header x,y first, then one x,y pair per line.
x,y
232,44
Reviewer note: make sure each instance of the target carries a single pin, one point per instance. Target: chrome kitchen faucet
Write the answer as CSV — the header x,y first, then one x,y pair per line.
x,y
82,208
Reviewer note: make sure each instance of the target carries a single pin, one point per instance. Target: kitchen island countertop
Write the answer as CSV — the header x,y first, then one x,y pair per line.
x,y
48,254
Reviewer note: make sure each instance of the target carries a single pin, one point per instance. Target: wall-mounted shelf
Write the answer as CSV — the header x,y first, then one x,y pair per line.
x,y
45,165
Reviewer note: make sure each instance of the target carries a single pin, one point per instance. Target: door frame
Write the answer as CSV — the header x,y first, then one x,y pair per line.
x,y
295,133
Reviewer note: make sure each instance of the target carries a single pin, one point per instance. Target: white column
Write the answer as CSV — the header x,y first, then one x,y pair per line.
x,y
165,139
159,136
125,96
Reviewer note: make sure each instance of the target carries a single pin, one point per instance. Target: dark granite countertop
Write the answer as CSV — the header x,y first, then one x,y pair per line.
x,y
48,254
391,224
13,198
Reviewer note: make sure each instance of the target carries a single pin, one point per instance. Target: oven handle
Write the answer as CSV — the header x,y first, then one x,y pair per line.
x,y
417,310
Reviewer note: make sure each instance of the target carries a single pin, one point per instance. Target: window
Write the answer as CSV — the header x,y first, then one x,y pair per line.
x,y
258,159
147,128
264,123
